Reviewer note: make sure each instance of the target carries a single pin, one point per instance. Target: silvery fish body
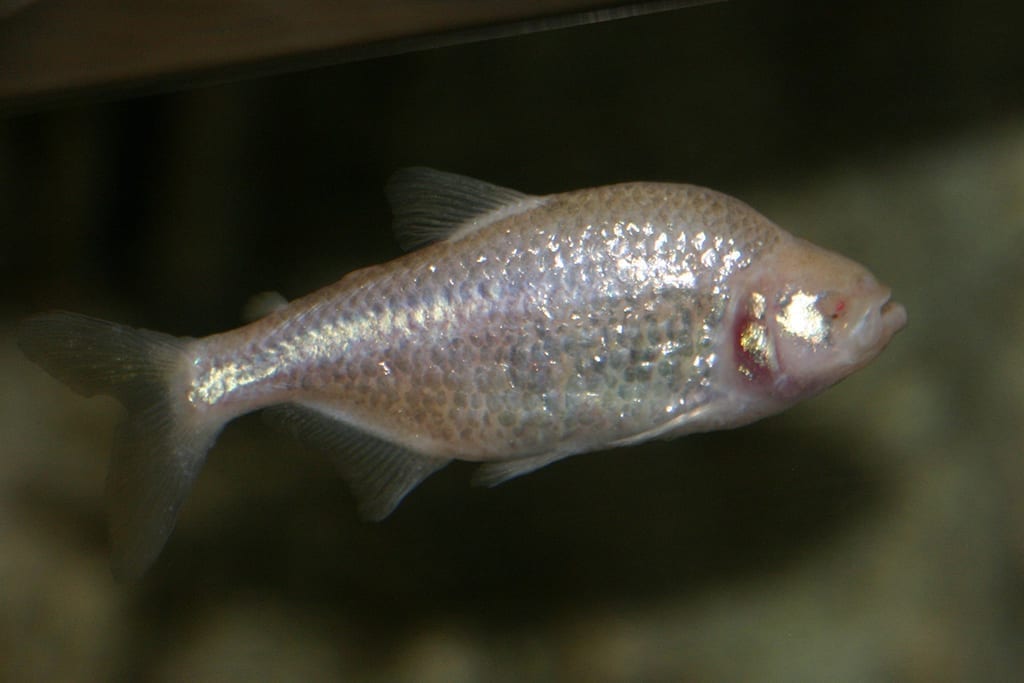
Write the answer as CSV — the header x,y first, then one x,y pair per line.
x,y
529,329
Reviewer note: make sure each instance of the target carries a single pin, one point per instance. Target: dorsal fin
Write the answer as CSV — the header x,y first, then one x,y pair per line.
x,y
430,205
380,473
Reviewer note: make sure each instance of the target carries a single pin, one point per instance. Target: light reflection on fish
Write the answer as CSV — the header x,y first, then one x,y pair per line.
x,y
529,329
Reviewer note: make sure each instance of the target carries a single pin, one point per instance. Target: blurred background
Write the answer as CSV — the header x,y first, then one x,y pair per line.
x,y
873,533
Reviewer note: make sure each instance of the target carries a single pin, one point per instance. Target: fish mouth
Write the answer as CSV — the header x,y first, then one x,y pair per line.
x,y
894,316
878,324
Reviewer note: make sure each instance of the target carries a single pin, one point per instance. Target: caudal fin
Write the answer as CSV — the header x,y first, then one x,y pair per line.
x,y
162,442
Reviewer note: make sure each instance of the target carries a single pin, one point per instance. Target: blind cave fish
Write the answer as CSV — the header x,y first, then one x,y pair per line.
x,y
522,330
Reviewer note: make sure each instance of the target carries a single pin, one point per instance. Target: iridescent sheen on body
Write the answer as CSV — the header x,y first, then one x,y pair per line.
x,y
587,320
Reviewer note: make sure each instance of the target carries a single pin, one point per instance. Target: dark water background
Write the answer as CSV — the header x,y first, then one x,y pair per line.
x,y
875,533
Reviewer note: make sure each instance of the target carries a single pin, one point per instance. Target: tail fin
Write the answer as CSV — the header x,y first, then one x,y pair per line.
x,y
161,444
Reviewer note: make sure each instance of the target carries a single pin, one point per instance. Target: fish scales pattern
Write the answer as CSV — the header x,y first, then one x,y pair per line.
x,y
549,330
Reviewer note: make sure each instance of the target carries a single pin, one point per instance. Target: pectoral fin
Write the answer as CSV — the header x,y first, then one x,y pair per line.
x,y
494,473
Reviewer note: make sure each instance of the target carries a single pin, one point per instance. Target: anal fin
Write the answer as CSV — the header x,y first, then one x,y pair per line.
x,y
380,473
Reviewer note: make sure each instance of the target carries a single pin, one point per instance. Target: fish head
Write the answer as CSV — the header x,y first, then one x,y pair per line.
x,y
805,318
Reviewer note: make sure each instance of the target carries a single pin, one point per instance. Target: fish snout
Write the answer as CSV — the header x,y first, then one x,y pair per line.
x,y
894,317
879,322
